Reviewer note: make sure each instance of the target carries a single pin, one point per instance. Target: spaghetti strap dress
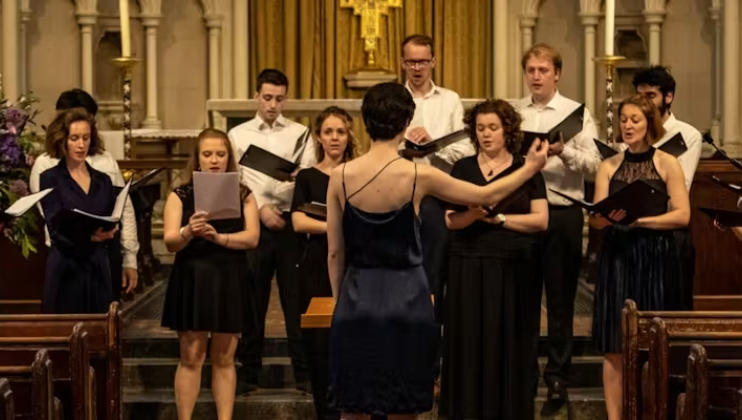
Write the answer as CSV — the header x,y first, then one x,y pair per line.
x,y
383,334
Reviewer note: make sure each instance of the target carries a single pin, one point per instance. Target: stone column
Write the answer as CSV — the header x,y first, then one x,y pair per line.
x,y
731,114
500,44
528,19
11,22
86,12
240,57
590,14
25,18
213,18
151,15
655,19
715,12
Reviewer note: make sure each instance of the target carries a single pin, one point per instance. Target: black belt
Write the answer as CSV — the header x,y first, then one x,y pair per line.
x,y
561,207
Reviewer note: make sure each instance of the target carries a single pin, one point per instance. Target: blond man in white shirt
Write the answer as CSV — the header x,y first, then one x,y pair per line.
x,y
438,111
277,250
123,256
658,85
571,162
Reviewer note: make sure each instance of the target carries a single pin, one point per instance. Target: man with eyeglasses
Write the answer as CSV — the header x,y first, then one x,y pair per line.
x,y
438,112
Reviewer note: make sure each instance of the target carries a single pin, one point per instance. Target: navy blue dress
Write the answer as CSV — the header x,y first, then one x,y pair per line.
x,y
635,263
78,273
383,335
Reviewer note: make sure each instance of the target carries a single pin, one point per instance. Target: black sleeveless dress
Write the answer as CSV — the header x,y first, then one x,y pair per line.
x,y
383,335
208,283
635,263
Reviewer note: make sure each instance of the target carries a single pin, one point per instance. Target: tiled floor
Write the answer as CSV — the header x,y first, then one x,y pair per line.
x,y
147,320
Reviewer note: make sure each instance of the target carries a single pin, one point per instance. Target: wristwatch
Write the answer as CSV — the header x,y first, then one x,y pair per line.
x,y
182,231
501,218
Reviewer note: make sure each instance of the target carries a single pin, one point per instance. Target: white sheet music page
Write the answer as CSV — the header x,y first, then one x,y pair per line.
x,y
24,203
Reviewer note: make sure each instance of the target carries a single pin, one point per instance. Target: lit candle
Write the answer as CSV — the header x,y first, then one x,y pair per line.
x,y
610,24
125,30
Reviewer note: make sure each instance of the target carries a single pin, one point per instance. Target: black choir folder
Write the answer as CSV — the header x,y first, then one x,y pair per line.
x,y
77,223
637,199
605,150
437,144
568,128
731,187
314,208
268,163
675,146
274,166
726,218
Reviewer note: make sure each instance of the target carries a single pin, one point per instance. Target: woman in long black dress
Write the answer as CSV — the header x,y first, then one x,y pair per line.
x,y
383,334
78,272
492,303
333,132
638,262
209,279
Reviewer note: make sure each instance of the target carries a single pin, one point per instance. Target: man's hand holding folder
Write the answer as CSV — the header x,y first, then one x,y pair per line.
x,y
420,147
560,134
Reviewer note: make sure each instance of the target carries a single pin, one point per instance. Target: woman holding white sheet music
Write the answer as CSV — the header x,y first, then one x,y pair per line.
x,y
639,261
78,272
209,279
333,132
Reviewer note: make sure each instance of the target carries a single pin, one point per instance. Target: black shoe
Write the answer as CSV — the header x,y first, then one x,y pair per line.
x,y
556,399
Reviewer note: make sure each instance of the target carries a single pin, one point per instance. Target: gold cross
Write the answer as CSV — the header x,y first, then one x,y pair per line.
x,y
370,12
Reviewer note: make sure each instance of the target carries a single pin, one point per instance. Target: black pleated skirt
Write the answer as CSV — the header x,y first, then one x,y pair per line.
x,y
491,323
208,293
638,264
77,281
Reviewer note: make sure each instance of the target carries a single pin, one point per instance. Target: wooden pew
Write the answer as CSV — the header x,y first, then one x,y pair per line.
x,y
33,389
7,412
711,387
668,359
104,342
74,380
636,342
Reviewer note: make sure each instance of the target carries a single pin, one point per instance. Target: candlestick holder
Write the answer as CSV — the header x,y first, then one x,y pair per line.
x,y
610,62
126,64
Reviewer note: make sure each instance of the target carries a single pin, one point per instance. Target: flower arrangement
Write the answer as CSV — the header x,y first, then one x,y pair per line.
x,y
17,154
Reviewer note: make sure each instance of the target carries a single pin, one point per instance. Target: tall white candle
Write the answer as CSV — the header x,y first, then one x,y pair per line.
x,y
125,30
610,25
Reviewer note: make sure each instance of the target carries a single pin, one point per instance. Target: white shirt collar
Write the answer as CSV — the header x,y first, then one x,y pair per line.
x,y
434,89
261,125
554,103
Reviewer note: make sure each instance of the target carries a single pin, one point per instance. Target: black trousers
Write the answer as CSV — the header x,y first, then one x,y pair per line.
x,y
562,258
116,259
434,237
276,254
687,253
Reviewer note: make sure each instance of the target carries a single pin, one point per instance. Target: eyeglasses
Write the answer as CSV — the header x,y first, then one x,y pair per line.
x,y
417,63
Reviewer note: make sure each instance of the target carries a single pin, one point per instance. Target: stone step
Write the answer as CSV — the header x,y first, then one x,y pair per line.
x,y
585,404
158,373
165,345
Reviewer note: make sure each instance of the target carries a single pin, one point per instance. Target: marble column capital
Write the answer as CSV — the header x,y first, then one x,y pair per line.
x,y
528,21
214,21
531,8
86,7
590,7
715,13
150,8
590,18
654,16
149,21
26,11
87,19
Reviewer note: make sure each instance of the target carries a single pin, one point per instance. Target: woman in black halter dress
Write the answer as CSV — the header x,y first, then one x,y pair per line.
x,y
638,262
383,335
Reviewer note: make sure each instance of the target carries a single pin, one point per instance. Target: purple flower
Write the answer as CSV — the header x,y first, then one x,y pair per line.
x,y
18,187
15,120
10,151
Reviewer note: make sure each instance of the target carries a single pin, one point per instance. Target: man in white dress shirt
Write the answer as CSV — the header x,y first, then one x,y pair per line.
x,y
571,161
658,85
122,251
438,111
277,250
